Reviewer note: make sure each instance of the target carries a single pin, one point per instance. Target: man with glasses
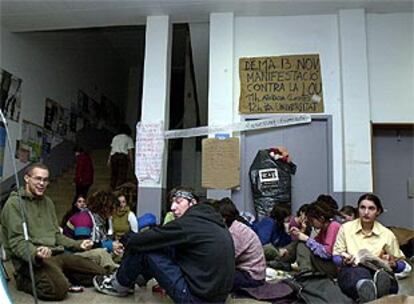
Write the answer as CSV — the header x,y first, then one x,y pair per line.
x,y
191,257
54,270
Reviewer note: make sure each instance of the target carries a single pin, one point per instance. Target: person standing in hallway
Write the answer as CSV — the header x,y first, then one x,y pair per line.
x,y
121,156
54,269
84,172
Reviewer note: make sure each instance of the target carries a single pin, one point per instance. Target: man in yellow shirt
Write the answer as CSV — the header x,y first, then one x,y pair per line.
x,y
366,233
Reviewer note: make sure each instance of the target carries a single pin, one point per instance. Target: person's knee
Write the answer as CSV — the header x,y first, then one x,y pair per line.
x,y
52,289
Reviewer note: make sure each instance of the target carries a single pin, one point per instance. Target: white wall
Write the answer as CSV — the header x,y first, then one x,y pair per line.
x,y
275,36
391,67
55,65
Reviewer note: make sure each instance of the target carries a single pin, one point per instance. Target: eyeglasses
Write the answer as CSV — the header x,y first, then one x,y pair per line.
x,y
39,179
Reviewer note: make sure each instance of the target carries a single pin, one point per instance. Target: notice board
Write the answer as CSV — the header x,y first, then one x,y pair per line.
x,y
281,84
220,163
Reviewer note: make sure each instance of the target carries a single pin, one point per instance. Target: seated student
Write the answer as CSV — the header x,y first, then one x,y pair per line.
x,y
191,257
77,223
299,221
348,213
271,229
250,260
365,232
123,219
315,254
53,268
101,204
86,224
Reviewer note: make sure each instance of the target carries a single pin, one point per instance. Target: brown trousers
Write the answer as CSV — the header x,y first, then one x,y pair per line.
x,y
119,169
55,275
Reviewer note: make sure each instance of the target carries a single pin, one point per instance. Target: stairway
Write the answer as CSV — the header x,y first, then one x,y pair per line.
x,y
62,190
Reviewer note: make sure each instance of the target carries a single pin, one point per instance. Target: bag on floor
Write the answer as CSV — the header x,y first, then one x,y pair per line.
x,y
317,288
279,292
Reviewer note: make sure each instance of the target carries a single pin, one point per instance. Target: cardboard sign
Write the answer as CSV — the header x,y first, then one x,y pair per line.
x,y
282,84
220,163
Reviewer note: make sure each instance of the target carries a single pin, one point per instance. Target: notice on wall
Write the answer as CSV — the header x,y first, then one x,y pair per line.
x,y
220,163
149,151
281,84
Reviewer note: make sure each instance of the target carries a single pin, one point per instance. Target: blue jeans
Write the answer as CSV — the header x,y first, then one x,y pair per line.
x,y
349,276
158,265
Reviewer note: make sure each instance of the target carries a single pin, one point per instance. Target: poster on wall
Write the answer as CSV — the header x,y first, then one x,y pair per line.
x,y
280,84
110,113
220,163
3,135
149,151
31,144
57,119
83,103
10,95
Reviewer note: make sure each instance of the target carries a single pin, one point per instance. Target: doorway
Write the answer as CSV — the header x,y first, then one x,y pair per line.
x,y
393,172
310,146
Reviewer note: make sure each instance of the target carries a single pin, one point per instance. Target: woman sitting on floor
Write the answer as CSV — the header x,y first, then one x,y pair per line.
x,y
250,260
271,230
313,254
367,239
123,218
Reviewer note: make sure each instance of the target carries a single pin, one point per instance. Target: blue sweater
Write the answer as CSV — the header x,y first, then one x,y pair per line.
x,y
269,233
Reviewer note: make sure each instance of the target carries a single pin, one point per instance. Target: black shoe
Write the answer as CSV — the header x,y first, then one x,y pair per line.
x,y
275,264
103,284
366,290
382,281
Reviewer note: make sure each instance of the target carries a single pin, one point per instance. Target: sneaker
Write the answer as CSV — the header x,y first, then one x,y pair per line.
x,y
103,284
382,281
366,290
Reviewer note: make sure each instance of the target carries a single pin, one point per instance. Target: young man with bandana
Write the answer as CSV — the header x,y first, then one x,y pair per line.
x,y
191,257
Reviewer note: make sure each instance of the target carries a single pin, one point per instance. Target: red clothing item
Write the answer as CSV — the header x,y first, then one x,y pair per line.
x,y
84,170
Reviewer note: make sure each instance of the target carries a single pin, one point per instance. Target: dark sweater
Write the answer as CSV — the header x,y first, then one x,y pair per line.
x,y
203,249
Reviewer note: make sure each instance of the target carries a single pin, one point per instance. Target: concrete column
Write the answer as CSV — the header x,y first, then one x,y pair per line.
x,y
220,94
155,101
355,101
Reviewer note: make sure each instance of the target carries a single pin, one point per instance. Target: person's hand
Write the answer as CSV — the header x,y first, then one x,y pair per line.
x,y
283,252
299,234
390,259
347,258
86,244
43,252
118,248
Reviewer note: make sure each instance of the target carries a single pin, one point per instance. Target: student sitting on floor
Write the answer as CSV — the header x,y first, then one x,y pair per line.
x,y
348,213
191,257
91,223
123,218
250,260
315,254
272,229
362,282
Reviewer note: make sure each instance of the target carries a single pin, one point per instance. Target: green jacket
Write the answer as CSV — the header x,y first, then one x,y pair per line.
x,y
42,226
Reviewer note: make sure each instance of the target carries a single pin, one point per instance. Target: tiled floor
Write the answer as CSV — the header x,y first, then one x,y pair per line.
x,y
145,295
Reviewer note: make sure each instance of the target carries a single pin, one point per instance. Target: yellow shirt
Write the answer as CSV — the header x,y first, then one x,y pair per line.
x,y
381,240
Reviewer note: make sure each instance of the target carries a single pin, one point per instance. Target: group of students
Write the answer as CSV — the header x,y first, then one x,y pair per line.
x,y
320,238
203,252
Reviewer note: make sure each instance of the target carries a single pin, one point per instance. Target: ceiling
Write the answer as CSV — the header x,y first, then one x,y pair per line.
x,y
34,15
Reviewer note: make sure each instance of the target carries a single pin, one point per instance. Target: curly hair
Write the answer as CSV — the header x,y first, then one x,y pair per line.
x,y
102,203
321,211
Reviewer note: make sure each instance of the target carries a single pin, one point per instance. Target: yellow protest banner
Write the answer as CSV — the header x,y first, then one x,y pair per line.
x,y
281,84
